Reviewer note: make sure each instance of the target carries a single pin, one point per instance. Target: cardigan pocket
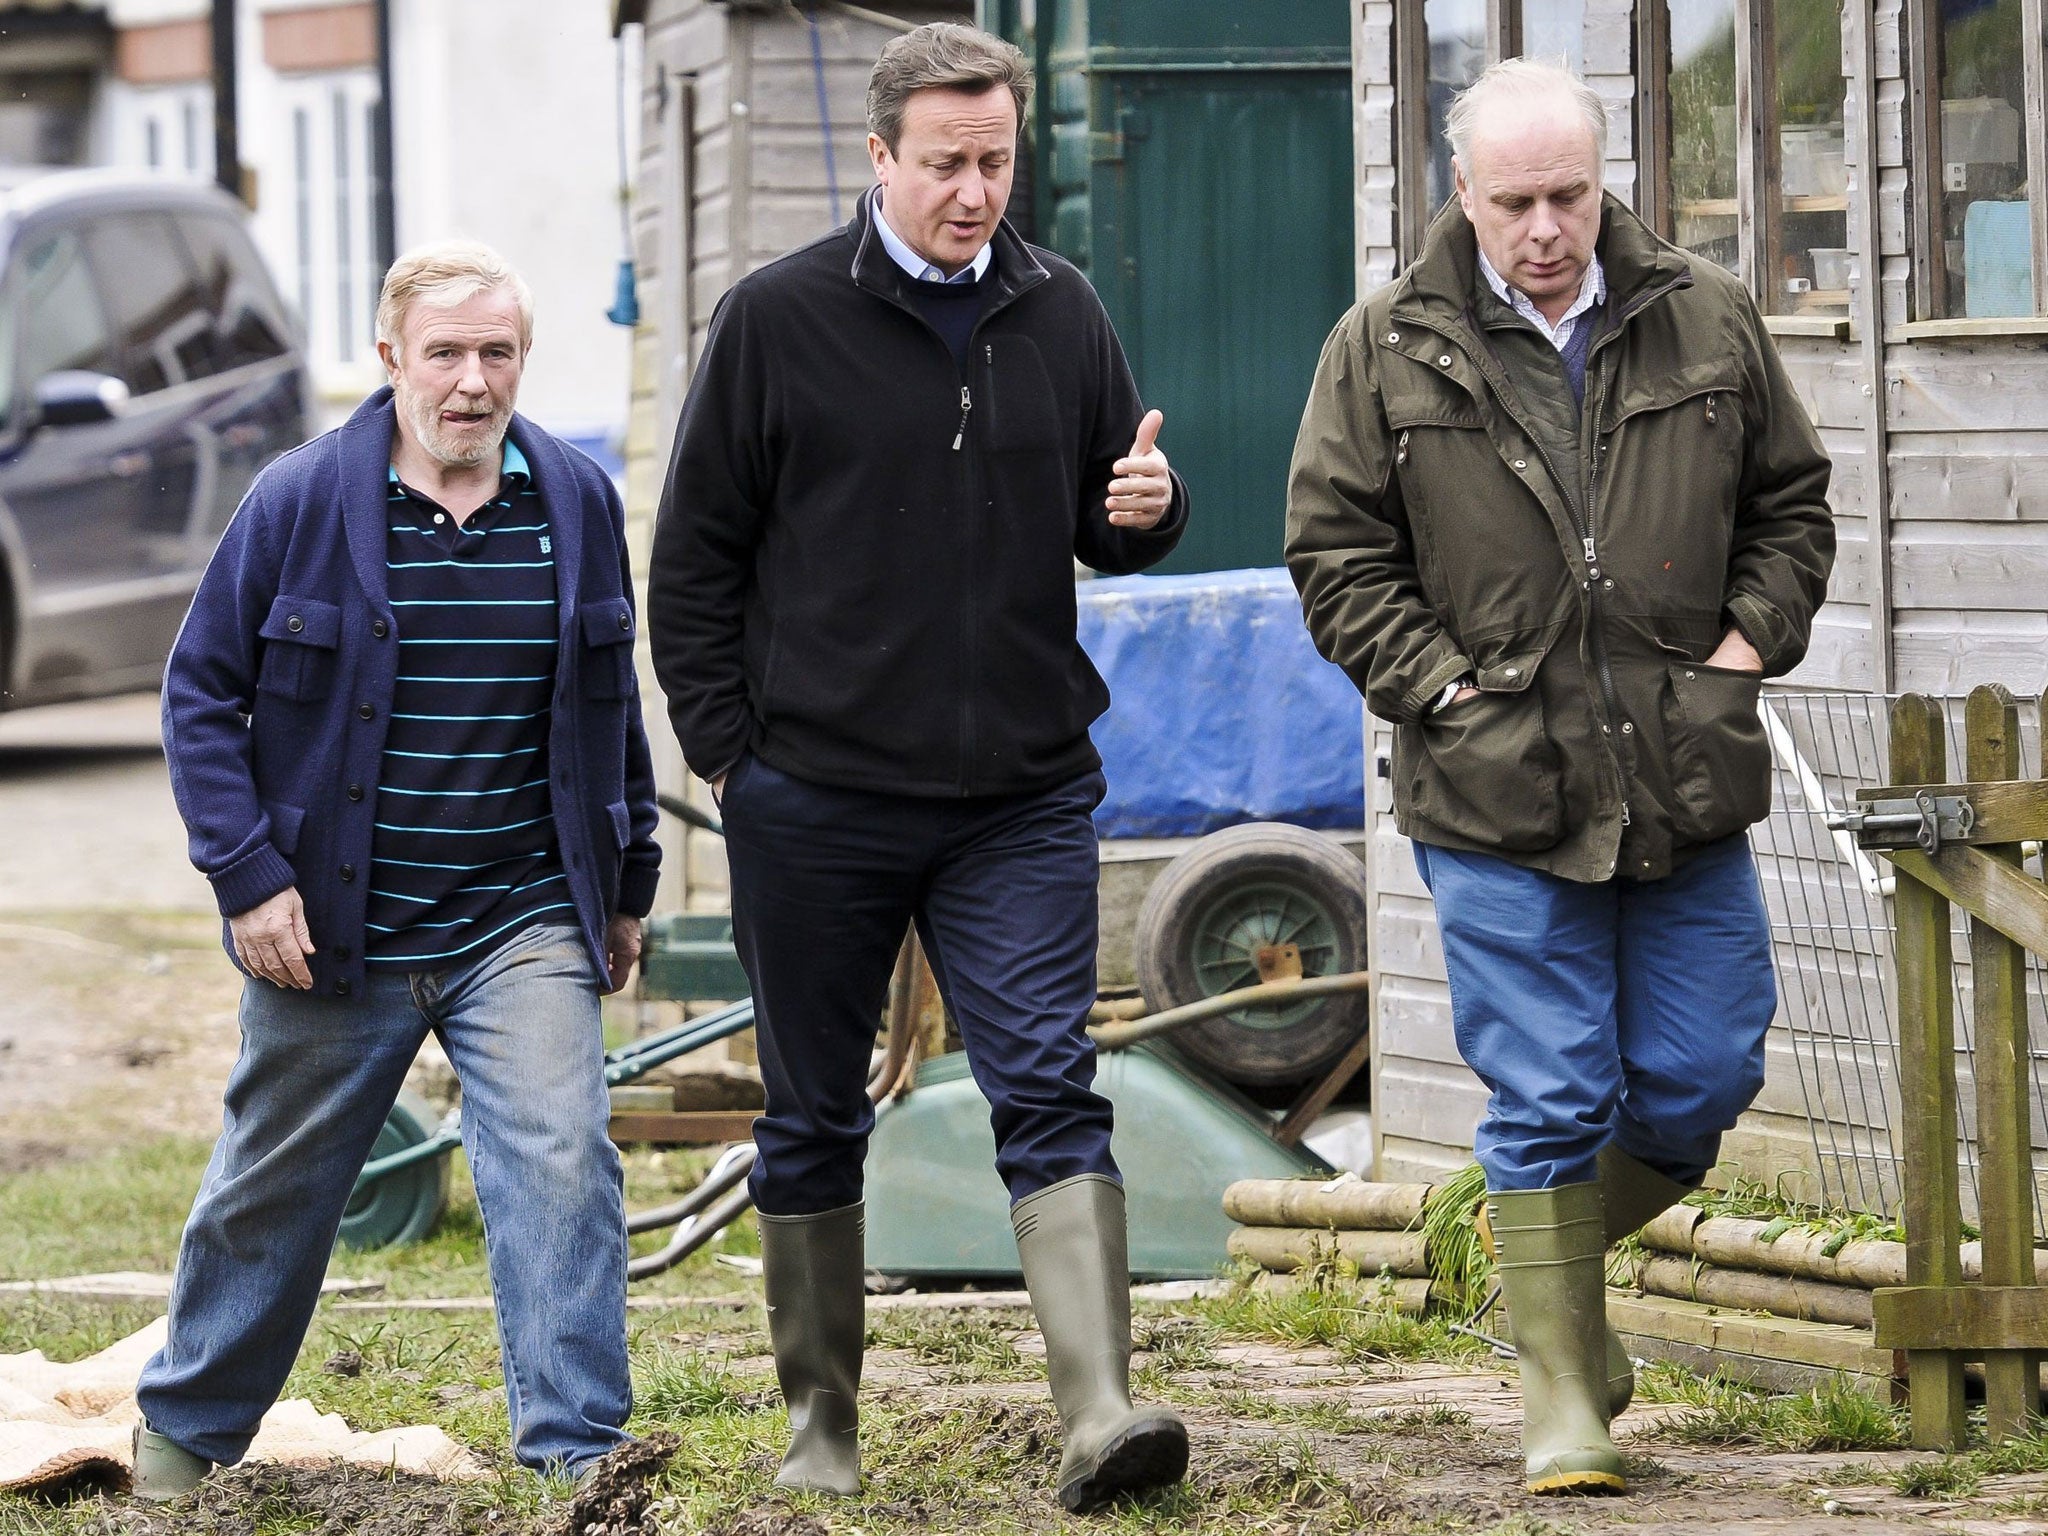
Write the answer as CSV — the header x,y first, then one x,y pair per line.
x,y
608,649
300,639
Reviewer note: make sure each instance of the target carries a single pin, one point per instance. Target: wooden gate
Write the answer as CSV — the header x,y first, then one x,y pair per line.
x,y
1962,843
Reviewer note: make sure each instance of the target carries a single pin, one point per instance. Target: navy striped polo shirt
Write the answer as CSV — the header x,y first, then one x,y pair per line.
x,y
464,853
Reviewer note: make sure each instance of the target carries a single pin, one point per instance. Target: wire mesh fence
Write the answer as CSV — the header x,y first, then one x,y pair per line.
x,y
1831,922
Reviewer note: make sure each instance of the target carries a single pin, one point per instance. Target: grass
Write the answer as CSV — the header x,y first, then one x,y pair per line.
x,y
1833,1417
1458,1262
1344,1314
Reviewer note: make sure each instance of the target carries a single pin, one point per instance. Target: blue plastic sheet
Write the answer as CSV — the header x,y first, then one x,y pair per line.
x,y
1221,711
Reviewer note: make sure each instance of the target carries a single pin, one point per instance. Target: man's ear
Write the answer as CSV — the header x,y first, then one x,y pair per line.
x,y
1462,186
388,355
880,158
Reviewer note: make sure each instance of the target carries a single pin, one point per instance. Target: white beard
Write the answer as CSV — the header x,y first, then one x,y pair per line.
x,y
439,444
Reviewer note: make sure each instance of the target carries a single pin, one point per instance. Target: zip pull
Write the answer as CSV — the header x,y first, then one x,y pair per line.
x,y
1624,813
1591,556
1710,410
966,405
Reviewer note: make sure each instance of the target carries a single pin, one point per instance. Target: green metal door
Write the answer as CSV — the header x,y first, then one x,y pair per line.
x,y
1233,241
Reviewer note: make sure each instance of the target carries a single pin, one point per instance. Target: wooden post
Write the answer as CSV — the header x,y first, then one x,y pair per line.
x,y
2005,1164
1927,1065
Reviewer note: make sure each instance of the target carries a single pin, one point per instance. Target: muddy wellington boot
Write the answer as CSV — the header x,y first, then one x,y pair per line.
x,y
813,1270
1631,1193
1552,1251
163,1468
1072,1241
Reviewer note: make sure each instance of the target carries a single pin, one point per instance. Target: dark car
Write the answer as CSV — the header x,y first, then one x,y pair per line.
x,y
148,370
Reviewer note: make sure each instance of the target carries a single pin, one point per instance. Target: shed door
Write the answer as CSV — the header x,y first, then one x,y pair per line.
x,y
1235,231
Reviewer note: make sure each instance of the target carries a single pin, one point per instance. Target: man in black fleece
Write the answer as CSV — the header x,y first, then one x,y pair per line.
x,y
897,442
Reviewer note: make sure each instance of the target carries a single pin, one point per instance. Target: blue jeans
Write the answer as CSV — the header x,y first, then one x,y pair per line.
x,y
1631,1011
1003,889
314,1081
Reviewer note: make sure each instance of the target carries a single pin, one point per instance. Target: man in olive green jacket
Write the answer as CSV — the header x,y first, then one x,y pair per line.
x,y
1557,511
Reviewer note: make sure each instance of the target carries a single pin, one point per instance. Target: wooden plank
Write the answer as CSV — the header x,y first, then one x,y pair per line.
x,y
2009,809
691,1127
1653,117
2034,94
1947,652
1411,124
1830,1346
1759,212
1965,566
1927,1042
2013,903
1865,237
1989,384
2005,1169
1961,1319
1921,26
1971,477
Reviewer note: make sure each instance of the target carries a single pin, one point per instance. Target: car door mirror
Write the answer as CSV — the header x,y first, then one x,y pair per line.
x,y
74,397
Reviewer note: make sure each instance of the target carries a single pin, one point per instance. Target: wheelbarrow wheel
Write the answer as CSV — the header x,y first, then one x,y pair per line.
x,y
402,1207
1212,912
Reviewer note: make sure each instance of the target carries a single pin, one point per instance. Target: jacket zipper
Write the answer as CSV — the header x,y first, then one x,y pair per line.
x,y
1584,524
966,405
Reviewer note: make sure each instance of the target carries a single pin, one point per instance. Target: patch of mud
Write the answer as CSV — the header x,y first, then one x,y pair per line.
x,y
769,1520
28,1156
326,1501
614,1498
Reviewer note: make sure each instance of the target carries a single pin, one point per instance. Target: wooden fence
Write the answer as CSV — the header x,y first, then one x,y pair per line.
x,y
1963,843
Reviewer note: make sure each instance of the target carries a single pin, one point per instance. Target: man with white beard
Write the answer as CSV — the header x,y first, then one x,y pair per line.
x,y
404,732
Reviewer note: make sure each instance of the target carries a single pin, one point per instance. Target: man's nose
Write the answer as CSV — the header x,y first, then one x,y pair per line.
x,y
473,381
1543,228
973,192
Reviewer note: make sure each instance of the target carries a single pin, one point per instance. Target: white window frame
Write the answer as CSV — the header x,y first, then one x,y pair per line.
x,y
334,246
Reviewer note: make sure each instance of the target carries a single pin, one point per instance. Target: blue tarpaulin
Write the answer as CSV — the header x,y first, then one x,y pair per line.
x,y
1221,711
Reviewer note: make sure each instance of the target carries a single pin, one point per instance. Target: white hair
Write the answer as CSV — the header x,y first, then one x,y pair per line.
x,y
443,275
1527,81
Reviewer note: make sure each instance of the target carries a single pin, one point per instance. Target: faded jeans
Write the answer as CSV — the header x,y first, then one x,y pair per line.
x,y
314,1081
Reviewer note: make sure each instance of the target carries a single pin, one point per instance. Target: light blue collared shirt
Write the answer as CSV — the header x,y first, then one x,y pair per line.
x,y
915,264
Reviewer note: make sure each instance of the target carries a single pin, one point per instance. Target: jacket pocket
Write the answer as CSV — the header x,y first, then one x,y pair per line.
x,y
300,638
1720,756
608,649
1486,770
622,824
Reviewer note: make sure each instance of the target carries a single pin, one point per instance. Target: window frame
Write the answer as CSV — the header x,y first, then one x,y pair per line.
x,y
1924,171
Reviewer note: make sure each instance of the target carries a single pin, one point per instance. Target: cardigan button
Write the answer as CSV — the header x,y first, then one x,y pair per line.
x,y
295,623
348,873
366,711
341,988
355,791
379,628
625,622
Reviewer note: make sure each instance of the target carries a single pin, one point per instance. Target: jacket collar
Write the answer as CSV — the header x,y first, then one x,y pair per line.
x,y
364,448
1639,265
1016,270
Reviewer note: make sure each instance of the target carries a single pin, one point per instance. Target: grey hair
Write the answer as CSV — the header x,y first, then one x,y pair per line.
x,y
942,55
1525,80
443,275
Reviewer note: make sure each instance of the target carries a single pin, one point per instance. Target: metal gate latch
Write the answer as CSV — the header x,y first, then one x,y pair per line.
x,y
1925,820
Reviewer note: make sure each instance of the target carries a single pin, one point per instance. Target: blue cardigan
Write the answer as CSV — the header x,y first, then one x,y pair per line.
x,y
278,690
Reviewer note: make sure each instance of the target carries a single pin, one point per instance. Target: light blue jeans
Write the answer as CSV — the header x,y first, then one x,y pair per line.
x,y
314,1081
1626,1010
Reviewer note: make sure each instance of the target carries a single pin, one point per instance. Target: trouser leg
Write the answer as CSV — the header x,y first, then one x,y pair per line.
x,y
309,1092
523,1031
1009,922
824,882
1531,963
1696,996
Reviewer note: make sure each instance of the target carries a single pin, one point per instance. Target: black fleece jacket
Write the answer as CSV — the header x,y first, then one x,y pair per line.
x,y
863,562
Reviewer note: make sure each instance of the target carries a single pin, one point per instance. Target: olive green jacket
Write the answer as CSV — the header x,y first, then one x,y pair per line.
x,y
1431,537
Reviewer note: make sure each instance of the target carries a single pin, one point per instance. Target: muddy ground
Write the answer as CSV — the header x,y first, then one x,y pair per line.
x,y
1285,1440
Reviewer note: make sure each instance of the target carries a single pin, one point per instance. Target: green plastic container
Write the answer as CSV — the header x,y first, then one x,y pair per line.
x,y
935,1206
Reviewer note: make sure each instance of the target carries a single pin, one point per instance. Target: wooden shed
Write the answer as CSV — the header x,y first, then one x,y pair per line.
x,y
753,140
1811,146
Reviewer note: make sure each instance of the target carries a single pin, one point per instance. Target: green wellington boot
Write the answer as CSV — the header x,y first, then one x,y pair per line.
x,y
1631,1193
812,1268
1071,1239
163,1468
1621,1371
1552,1249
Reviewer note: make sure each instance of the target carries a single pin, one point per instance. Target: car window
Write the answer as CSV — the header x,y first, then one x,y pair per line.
x,y
248,325
162,322
50,316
